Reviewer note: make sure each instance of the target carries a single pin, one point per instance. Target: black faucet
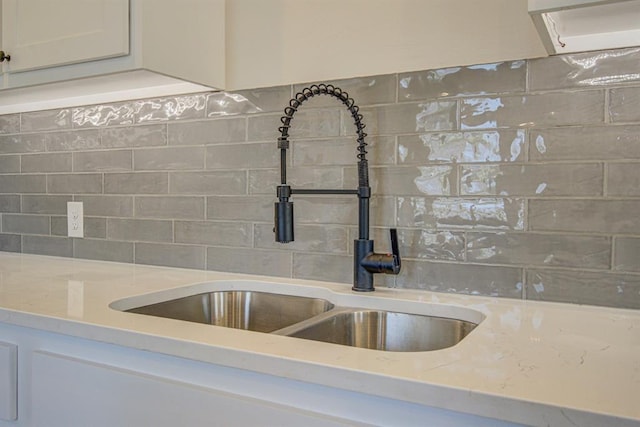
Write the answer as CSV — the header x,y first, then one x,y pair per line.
x,y
366,262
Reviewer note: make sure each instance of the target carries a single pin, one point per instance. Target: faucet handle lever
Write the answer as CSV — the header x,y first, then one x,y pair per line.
x,y
395,252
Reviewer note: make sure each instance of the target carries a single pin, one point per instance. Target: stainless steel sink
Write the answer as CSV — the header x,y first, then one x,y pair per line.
x,y
385,330
255,311
314,318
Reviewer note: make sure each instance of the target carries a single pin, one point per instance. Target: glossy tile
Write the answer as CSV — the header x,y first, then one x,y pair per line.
x,y
237,156
208,183
461,278
462,147
323,267
623,104
25,224
67,141
405,118
539,249
340,210
9,123
171,255
105,250
48,245
17,184
427,244
110,206
140,230
463,81
340,151
170,207
455,213
313,238
585,70
169,158
36,121
623,179
219,233
49,162
103,161
9,164
549,109
21,144
77,183
252,261
626,254
308,123
584,287
171,108
105,115
249,101
133,136
136,183
585,215
585,143
10,203
218,131
539,180
45,204
242,208
412,180
10,242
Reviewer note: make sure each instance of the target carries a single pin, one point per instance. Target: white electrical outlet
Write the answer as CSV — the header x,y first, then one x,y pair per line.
x,y
75,219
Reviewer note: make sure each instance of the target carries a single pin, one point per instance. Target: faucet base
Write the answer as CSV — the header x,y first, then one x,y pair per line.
x,y
362,277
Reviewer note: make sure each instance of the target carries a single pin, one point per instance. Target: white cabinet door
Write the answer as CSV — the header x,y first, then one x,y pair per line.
x,y
45,33
8,381
67,391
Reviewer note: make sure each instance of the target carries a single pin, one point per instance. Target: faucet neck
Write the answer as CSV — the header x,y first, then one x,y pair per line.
x,y
335,92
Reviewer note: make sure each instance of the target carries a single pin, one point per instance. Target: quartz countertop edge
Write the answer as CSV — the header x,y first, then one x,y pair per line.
x,y
527,362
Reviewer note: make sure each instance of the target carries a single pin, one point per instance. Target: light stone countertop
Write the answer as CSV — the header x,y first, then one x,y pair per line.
x,y
528,362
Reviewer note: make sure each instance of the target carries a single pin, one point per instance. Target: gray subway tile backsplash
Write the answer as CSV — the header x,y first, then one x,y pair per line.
x,y
584,143
103,161
21,144
10,123
585,70
516,179
45,120
9,163
10,203
49,162
623,104
537,110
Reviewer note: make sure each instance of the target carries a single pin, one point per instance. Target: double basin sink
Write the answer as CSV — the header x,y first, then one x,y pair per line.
x,y
313,319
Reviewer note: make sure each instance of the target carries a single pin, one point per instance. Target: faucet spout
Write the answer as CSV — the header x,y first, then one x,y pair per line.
x,y
366,261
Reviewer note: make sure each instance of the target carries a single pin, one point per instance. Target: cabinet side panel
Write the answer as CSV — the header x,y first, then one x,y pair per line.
x,y
185,39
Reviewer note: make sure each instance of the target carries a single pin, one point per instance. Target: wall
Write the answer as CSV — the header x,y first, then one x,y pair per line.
x,y
518,179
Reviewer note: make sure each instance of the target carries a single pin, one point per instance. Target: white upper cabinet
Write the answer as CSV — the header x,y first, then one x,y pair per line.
x,y
72,52
45,33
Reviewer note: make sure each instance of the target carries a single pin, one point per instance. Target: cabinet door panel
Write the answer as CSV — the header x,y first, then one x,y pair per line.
x,y
8,381
67,391
44,33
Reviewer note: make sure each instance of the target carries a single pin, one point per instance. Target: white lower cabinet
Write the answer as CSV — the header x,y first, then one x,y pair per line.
x,y
8,381
67,382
